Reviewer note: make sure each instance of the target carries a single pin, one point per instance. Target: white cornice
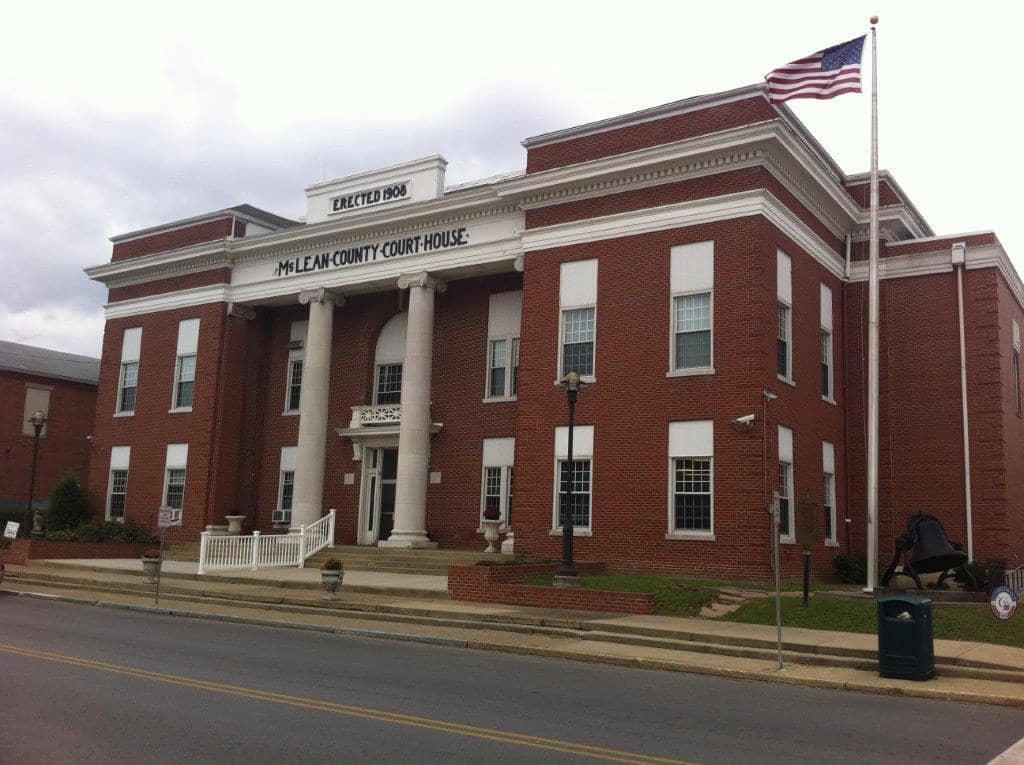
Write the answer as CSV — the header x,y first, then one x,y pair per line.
x,y
168,301
431,160
682,215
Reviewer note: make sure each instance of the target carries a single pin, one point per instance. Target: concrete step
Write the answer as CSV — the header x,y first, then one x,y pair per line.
x,y
526,621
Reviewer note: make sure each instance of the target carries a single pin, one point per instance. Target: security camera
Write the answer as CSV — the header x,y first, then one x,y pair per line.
x,y
746,420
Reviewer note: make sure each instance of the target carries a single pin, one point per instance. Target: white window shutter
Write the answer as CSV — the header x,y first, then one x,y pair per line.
x,y
582,442
784,277
577,284
691,439
188,337
785,444
693,267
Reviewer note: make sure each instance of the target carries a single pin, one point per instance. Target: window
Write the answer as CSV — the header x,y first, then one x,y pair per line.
x,y
283,514
294,385
184,389
826,364
503,320
388,391
693,331
1016,382
118,493
185,365
577,473
692,494
577,302
578,341
175,495
785,487
128,375
37,399
129,386
691,281
828,494
784,291
497,477
785,348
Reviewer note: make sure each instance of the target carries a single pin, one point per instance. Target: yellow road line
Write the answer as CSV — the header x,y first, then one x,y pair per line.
x,y
397,718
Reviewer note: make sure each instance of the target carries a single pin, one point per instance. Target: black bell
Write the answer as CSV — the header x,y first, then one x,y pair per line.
x,y
932,551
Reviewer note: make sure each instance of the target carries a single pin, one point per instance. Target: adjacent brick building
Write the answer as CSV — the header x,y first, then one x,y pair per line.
x,y
396,356
63,387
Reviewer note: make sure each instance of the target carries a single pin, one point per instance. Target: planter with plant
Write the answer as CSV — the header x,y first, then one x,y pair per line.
x,y
331,574
492,523
151,564
234,523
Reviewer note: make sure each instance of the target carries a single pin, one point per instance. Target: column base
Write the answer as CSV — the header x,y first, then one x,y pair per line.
x,y
414,540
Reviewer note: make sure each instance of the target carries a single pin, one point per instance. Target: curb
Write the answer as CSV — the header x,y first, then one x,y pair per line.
x,y
556,653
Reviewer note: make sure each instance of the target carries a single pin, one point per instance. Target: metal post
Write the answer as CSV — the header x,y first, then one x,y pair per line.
x,y
202,551
778,576
807,575
872,466
255,550
29,516
568,568
160,566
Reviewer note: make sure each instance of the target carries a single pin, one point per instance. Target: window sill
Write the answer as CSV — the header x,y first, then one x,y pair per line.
x,y
787,540
584,379
696,536
575,532
787,380
125,414
180,410
290,413
691,372
831,543
828,400
500,399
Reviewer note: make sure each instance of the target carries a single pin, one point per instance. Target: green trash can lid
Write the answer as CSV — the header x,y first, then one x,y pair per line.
x,y
910,600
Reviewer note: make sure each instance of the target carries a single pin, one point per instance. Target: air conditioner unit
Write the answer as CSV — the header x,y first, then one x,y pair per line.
x,y
282,516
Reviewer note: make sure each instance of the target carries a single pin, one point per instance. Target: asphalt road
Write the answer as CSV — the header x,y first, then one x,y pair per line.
x,y
86,684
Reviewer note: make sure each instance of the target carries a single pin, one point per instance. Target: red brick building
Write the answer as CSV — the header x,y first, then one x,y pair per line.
x,y
396,355
62,386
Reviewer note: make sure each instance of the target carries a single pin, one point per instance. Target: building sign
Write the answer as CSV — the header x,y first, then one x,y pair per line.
x,y
806,522
435,241
359,200
168,516
11,529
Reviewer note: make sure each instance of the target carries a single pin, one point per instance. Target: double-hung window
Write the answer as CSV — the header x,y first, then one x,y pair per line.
x,y
185,365
1017,394
784,290
827,385
388,388
117,488
174,477
128,376
691,479
286,487
37,399
503,322
577,474
691,284
499,454
296,359
388,358
785,486
828,493
578,318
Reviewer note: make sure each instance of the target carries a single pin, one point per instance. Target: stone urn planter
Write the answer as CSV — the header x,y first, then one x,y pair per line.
x,y
492,522
234,523
331,574
151,565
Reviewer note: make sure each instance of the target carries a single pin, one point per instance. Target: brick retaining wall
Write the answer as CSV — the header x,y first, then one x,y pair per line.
x,y
23,550
503,584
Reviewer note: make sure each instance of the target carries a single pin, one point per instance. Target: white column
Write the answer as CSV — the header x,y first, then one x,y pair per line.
x,y
307,502
414,434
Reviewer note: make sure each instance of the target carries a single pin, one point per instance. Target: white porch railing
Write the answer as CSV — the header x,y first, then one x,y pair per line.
x,y
363,416
255,551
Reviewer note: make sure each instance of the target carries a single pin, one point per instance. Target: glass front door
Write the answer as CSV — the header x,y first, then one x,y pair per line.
x,y
386,503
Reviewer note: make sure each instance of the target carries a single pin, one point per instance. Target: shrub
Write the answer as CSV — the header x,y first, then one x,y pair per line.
x,y
104,531
333,565
852,569
978,571
69,506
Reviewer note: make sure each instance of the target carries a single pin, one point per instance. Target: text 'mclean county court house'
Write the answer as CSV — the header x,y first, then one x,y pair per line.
x,y
396,355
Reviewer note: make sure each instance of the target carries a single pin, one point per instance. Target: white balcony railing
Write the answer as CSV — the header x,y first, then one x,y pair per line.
x,y
387,414
255,551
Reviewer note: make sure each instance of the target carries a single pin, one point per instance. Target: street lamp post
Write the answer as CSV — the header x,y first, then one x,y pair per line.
x,y
567,575
34,519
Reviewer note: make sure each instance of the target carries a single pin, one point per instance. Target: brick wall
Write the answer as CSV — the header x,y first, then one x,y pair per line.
x,y
63,449
172,240
23,550
174,284
646,134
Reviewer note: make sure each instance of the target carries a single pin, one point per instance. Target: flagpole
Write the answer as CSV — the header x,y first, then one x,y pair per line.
x,y
872,488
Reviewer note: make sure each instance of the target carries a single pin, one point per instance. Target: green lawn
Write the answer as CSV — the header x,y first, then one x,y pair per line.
x,y
952,622
671,596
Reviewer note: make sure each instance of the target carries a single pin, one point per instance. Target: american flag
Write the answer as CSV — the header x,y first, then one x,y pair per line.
x,y
825,74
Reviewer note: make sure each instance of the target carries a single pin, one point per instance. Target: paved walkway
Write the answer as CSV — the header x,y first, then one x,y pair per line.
x,y
281,576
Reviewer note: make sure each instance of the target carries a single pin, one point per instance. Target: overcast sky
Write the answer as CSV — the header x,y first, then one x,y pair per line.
x,y
115,117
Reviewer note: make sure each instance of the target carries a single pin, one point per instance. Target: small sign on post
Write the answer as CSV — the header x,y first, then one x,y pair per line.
x,y
807,536
166,517
11,529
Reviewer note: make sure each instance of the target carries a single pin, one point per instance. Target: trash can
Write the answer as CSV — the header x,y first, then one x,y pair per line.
x,y
905,645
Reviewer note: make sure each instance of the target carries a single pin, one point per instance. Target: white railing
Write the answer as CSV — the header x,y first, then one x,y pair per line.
x,y
255,551
376,415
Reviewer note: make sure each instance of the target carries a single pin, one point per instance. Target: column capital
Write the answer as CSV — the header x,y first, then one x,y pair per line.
x,y
421,279
519,263
320,295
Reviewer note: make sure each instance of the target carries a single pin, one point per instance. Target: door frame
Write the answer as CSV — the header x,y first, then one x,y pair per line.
x,y
373,461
